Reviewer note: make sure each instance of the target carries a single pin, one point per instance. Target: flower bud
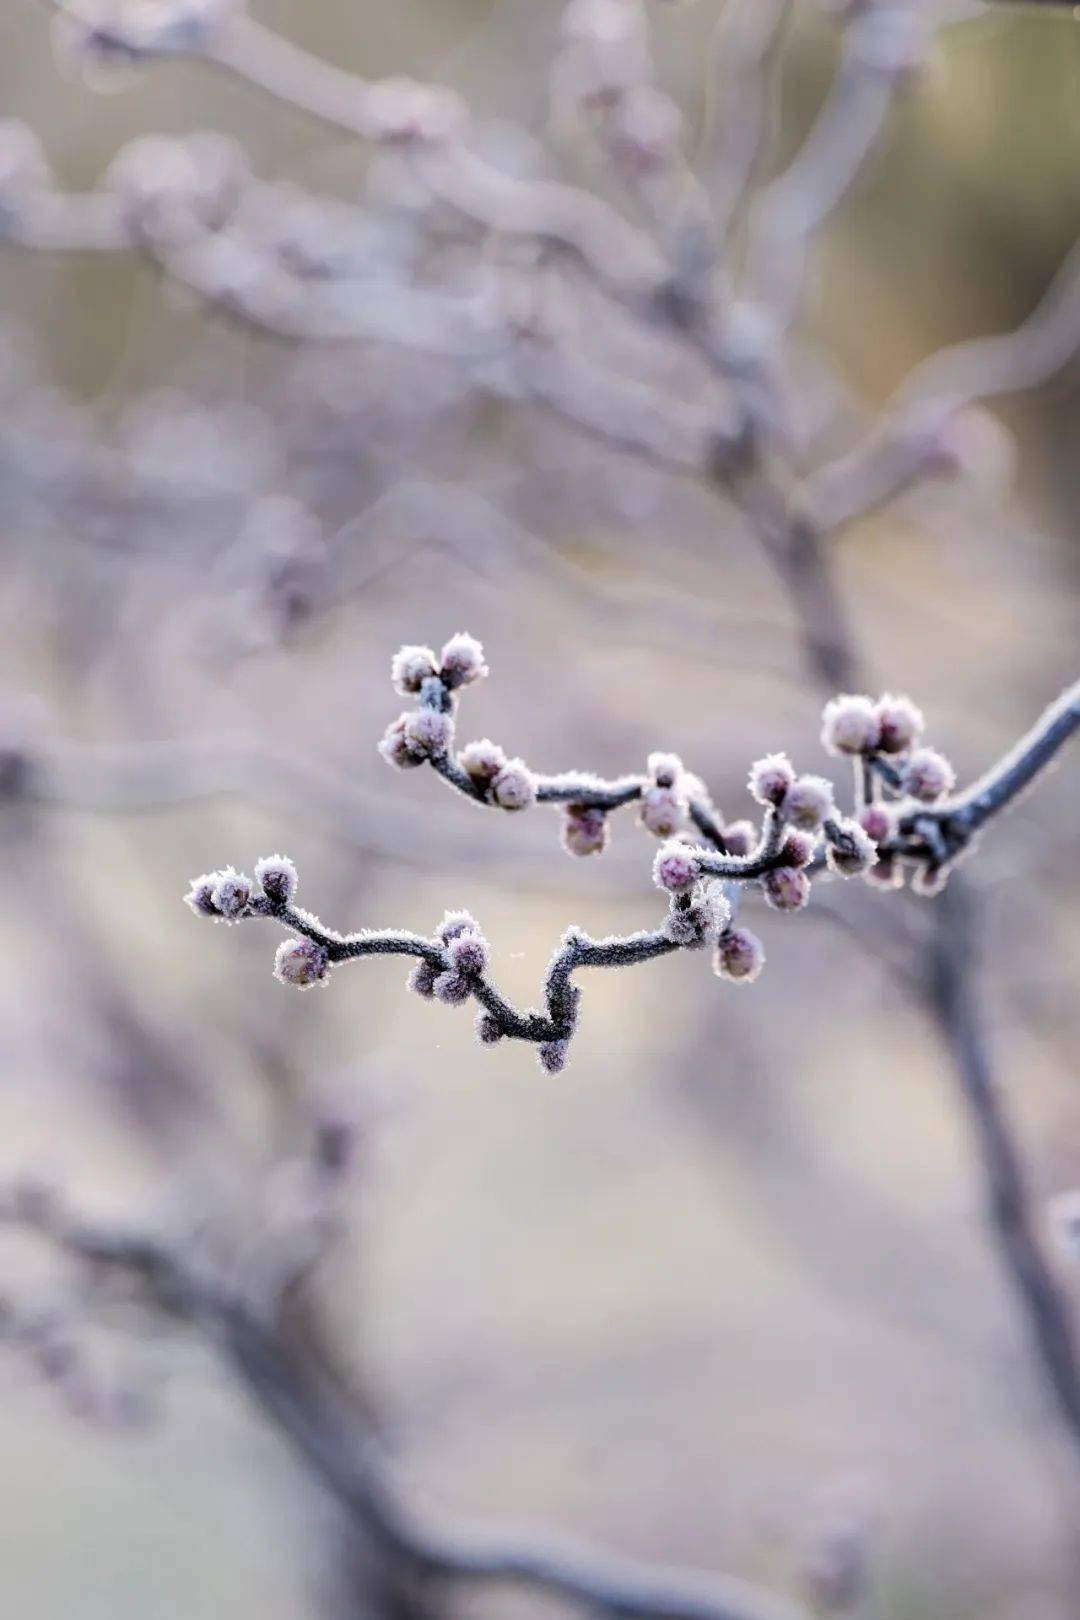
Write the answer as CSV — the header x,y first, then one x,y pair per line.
x,y
740,956
462,661
488,1029
483,760
849,725
396,749
468,954
452,988
849,851
808,802
552,1055
797,849
663,811
422,978
584,830
786,888
700,922
515,786
877,822
676,868
455,923
200,896
664,769
927,775
428,733
900,723
410,667
770,779
276,876
231,894
301,962
740,838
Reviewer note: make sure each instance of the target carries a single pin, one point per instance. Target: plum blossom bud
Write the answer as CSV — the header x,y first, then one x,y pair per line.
x,y
455,923
301,962
23,169
663,811
488,1029
786,888
740,837
676,868
797,849
231,894
483,760
664,769
410,667
849,725
808,802
396,749
422,978
877,822
700,922
552,1055
428,733
740,956
468,954
584,830
849,852
770,779
453,988
900,723
515,786
276,876
200,897
462,661
927,775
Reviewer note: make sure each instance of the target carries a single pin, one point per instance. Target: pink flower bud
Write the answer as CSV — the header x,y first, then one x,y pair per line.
x,y
927,775
301,962
488,1029
552,1055
797,849
877,822
410,668
468,954
740,837
428,733
452,988
849,851
422,978
786,888
770,779
584,830
515,786
900,723
676,868
849,725
455,923
462,661
809,802
665,769
663,811
276,876
200,896
232,894
740,956
396,749
483,760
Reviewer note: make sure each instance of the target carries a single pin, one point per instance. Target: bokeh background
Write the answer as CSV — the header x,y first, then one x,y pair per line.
x,y
734,1265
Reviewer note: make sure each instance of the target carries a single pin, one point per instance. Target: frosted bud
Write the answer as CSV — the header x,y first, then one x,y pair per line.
x,y
429,733
395,747
808,802
663,811
786,888
797,849
410,667
665,769
462,661
468,954
515,786
702,921
770,779
483,760
488,1029
676,868
927,775
740,956
849,852
552,1055
453,988
740,837
200,896
849,725
301,962
422,978
231,894
455,923
584,830
877,822
900,723
276,876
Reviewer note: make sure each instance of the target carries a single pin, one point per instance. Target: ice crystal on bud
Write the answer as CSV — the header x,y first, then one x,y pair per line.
x,y
664,769
676,868
927,775
849,851
701,920
301,962
200,896
452,987
740,956
422,978
786,889
552,1056
770,779
410,667
231,894
900,723
428,733
584,830
849,725
483,760
396,749
797,849
488,1029
663,811
468,953
740,837
808,802
515,786
462,661
276,876
455,923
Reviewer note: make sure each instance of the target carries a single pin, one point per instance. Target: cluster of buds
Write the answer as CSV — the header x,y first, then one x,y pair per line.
x,y
463,958
230,896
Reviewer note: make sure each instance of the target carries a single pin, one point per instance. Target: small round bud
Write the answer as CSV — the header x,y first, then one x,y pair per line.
x,y
410,667
849,725
462,661
809,802
488,1029
700,922
663,811
797,849
900,723
483,760
927,775
786,888
231,894
453,988
468,954
740,837
515,786
676,868
396,749
455,923
849,851
301,962
428,733
877,822
200,896
276,876
770,779
740,956
665,769
422,978
584,830
552,1055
